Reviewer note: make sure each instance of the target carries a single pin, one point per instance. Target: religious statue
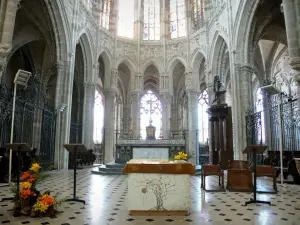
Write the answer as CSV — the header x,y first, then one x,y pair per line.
x,y
218,90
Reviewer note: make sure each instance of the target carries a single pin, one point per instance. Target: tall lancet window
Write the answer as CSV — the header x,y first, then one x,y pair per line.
x,y
259,106
105,13
177,18
198,13
203,116
126,18
150,112
98,118
151,20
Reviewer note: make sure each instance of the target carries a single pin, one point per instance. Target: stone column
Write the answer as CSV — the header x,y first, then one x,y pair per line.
x,y
126,119
292,28
241,105
110,95
135,110
88,114
63,105
192,123
166,114
8,10
175,123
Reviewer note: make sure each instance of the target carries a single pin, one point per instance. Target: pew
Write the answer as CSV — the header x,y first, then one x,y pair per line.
x,y
239,176
267,171
212,170
289,165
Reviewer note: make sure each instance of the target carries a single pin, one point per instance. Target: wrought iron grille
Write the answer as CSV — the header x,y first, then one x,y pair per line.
x,y
290,121
34,124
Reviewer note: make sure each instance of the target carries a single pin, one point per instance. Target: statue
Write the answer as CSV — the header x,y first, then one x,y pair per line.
x,y
218,90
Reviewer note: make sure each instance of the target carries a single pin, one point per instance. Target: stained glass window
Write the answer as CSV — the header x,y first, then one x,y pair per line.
x,y
203,116
260,108
98,118
151,20
126,18
198,13
150,111
105,13
177,18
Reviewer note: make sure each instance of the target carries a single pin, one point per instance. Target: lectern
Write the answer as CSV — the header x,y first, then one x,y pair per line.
x,y
17,147
255,149
75,148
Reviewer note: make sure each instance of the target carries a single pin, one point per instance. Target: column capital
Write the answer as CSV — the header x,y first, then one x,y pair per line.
x,y
245,67
109,91
192,92
89,84
295,63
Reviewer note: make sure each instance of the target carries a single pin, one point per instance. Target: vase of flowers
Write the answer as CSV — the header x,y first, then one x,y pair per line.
x,y
181,156
29,201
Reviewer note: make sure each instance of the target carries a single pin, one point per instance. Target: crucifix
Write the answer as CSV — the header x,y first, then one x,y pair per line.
x,y
150,110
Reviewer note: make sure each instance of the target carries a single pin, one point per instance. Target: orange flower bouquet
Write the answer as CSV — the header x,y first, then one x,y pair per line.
x,y
29,201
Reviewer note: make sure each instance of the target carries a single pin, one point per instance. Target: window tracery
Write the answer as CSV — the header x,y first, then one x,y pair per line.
x,y
150,109
98,118
126,19
151,20
177,18
203,116
198,13
105,13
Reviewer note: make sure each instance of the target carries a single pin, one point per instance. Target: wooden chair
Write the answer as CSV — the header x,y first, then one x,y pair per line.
x,y
267,171
212,170
239,176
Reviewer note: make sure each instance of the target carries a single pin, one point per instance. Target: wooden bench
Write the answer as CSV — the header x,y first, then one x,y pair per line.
x,y
239,176
212,170
267,171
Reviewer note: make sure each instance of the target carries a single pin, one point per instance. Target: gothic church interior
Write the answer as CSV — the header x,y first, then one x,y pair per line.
x,y
120,76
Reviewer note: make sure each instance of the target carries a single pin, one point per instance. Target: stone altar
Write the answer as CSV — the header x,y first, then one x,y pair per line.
x,y
125,148
158,187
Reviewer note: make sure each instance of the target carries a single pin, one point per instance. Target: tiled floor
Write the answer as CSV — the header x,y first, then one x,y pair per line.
x,y
106,198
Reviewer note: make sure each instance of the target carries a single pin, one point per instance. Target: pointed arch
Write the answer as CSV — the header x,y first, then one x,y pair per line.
x,y
220,57
151,62
174,61
60,29
87,57
129,63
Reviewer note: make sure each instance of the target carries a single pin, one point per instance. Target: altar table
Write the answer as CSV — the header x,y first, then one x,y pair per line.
x,y
158,187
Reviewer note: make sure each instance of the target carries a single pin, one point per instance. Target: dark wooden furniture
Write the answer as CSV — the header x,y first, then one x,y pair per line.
x,y
221,135
75,148
289,165
255,149
239,176
267,171
17,147
212,170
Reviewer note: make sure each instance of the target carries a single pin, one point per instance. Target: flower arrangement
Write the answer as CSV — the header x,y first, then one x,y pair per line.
x,y
29,201
181,156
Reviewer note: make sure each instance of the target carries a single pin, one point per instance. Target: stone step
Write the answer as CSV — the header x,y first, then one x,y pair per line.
x,y
112,169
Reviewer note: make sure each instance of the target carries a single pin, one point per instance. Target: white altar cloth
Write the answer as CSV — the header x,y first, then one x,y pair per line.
x,y
158,192
150,153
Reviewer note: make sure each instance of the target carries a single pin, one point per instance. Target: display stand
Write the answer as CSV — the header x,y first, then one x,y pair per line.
x,y
17,147
255,149
75,148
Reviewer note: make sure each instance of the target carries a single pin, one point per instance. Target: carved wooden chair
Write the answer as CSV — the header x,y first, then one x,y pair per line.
x,y
212,170
239,176
267,171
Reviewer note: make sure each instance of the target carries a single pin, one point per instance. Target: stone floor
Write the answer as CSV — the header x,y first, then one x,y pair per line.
x,y
106,203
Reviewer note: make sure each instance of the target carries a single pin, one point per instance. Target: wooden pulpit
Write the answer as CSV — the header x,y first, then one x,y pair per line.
x,y
75,148
221,145
255,149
